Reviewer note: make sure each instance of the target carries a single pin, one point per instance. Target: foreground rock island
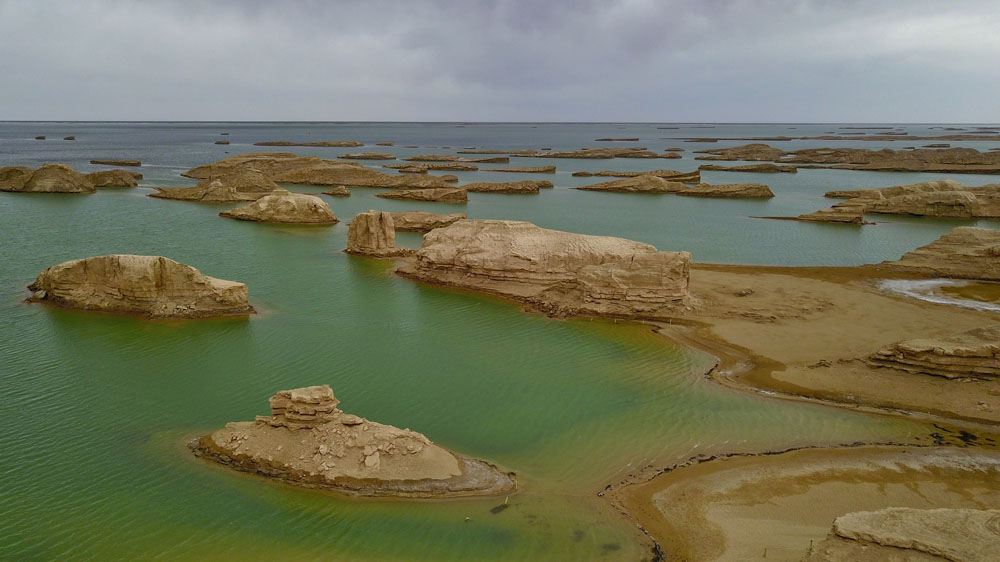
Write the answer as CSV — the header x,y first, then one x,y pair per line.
x,y
150,286
307,441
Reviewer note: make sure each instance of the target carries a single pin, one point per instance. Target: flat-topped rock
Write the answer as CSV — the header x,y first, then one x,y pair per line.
x,y
954,160
151,286
973,354
671,175
423,167
964,253
422,221
637,184
525,170
943,199
439,195
118,162
606,153
559,272
338,191
914,535
373,233
207,191
308,441
751,168
503,187
319,144
268,163
354,176
114,178
50,178
367,156
282,206
729,190
846,214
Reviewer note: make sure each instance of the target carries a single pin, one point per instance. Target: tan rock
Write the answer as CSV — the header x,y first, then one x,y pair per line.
x,y
244,180
307,441
637,184
387,143
338,191
50,178
729,190
373,234
440,195
671,175
450,178
847,214
973,354
752,168
422,221
354,176
502,187
957,160
914,535
282,206
208,191
148,285
423,167
319,144
607,153
456,158
119,162
113,178
526,170
964,253
367,156
268,163
944,199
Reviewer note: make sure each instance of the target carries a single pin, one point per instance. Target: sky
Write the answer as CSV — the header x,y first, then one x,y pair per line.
x,y
506,60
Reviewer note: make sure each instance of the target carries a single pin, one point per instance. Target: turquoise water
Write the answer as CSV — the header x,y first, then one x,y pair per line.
x,y
96,408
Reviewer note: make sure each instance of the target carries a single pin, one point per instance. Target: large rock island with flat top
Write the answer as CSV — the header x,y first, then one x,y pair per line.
x,y
560,273
150,286
307,441
283,206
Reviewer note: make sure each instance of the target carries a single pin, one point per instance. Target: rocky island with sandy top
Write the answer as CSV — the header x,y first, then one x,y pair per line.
x,y
50,178
283,206
966,252
367,156
308,441
150,286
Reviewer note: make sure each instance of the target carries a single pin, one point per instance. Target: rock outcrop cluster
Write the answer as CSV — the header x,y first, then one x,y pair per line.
x,y
559,272
973,354
50,178
965,252
373,233
422,221
942,199
151,286
283,206
909,534
606,153
308,441
954,160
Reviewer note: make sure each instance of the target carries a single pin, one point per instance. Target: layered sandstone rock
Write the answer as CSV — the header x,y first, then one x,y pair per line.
x,y
955,160
268,163
752,168
208,191
973,354
671,175
964,253
846,214
559,272
456,158
607,153
114,178
282,206
944,199
423,167
50,178
373,233
148,285
729,190
422,221
119,162
525,170
319,144
326,173
638,184
338,191
308,441
503,187
440,195
913,535
367,156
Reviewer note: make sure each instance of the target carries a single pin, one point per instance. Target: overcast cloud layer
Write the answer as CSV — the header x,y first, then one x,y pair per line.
x,y
508,60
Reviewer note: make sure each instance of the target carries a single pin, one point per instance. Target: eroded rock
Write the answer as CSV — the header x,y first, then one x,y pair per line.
x,y
638,184
282,206
50,178
373,233
964,253
973,354
440,195
114,178
422,221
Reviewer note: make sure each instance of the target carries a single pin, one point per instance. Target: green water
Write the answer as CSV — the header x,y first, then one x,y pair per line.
x,y
96,408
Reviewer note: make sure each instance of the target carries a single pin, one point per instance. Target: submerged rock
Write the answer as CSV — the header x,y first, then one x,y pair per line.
x,y
114,178
307,441
148,285
440,195
422,221
373,233
964,253
50,178
282,206
909,534
973,354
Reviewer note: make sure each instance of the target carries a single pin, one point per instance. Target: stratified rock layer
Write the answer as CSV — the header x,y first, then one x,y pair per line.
x,y
282,206
973,354
308,441
373,233
954,160
148,285
503,187
752,168
114,178
440,195
422,221
964,253
912,535
670,175
50,178
228,186
559,272
943,199
729,190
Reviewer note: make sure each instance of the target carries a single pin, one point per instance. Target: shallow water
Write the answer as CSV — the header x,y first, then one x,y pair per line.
x,y
96,408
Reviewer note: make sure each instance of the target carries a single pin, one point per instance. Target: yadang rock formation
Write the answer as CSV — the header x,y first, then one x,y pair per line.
x,y
283,206
456,158
964,253
525,170
239,184
972,354
841,214
606,153
671,175
367,156
50,178
151,286
558,272
526,186
422,221
954,160
943,199
638,184
909,534
373,233
338,191
754,168
423,167
308,441
114,178
319,144
439,195
729,190
119,162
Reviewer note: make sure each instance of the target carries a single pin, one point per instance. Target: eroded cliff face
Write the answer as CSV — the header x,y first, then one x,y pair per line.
x,y
373,234
308,441
147,285
422,221
559,272
965,253
282,206
973,354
